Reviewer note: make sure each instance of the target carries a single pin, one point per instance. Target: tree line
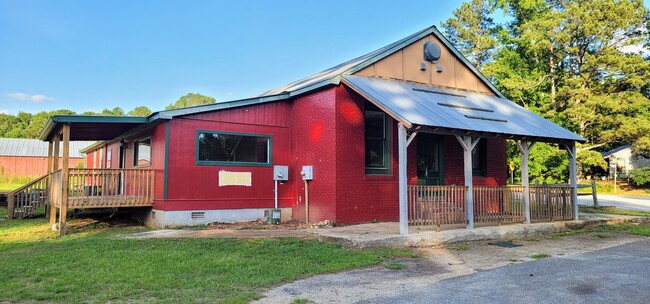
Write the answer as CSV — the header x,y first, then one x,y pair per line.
x,y
580,63
27,125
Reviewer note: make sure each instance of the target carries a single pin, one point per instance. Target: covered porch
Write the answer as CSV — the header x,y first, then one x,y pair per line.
x,y
64,188
469,117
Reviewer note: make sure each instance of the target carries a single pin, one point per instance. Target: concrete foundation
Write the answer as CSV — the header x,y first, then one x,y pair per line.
x,y
162,218
387,234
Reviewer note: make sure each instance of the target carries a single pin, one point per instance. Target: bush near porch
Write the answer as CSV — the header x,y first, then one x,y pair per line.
x,y
91,265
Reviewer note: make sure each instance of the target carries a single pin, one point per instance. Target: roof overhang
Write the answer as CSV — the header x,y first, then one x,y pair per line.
x,y
84,127
456,112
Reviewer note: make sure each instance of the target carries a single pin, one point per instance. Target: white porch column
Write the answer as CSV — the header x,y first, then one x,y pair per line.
x,y
468,143
524,147
573,177
403,209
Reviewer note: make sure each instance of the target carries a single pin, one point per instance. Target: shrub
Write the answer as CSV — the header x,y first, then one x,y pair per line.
x,y
640,177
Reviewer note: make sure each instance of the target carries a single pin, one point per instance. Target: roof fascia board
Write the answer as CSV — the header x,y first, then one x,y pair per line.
x,y
448,131
54,120
384,108
390,51
336,80
216,106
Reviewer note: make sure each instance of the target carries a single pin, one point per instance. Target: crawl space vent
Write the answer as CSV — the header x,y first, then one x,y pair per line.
x,y
198,215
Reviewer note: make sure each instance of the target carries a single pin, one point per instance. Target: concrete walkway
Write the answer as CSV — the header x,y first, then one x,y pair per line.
x,y
387,234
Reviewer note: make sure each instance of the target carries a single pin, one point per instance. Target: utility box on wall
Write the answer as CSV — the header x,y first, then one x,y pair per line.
x,y
280,173
307,172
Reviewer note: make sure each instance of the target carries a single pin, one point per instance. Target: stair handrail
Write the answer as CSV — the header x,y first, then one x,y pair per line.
x,y
23,187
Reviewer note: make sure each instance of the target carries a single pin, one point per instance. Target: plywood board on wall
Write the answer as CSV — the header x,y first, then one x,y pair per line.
x,y
406,64
227,178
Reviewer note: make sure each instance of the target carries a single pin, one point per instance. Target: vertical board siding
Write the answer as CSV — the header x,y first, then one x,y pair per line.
x,y
28,166
194,187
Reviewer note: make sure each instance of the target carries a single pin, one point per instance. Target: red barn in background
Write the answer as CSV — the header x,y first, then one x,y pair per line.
x,y
22,157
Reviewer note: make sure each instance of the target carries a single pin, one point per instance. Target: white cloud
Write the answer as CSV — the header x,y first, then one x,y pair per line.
x,y
37,98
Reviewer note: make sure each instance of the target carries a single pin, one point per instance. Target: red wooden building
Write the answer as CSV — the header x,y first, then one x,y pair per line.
x,y
23,157
354,124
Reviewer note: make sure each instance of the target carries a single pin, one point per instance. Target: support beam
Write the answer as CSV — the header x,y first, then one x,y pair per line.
x,y
524,147
65,167
55,167
573,177
411,138
403,210
468,143
48,207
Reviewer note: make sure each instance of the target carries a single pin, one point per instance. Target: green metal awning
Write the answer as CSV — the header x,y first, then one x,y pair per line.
x,y
84,127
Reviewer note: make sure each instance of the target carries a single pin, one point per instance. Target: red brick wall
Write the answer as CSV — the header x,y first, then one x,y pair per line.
x,y
362,198
313,128
496,174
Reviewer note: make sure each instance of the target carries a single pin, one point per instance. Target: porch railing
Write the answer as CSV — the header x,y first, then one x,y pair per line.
x,y
436,205
445,205
550,203
99,188
498,204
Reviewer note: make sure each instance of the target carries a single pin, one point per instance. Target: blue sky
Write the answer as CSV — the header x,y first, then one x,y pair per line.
x,y
91,55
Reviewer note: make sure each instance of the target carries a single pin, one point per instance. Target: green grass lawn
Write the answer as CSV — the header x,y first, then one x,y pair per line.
x,y
90,265
8,187
601,210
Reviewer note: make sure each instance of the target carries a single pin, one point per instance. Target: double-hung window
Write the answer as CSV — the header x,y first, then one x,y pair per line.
x,y
142,154
377,140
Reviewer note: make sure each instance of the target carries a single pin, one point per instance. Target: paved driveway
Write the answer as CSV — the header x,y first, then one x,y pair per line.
x,y
639,203
614,275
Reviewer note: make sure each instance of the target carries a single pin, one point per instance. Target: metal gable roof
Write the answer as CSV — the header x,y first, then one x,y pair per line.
x,y
36,148
415,104
349,67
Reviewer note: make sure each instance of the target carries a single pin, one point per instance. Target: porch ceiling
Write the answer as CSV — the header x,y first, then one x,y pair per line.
x,y
91,127
457,112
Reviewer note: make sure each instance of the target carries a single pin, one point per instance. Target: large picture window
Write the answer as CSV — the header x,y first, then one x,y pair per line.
x,y
226,148
377,140
142,153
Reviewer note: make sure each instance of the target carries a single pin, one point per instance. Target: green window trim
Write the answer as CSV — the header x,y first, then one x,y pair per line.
x,y
384,170
136,151
234,163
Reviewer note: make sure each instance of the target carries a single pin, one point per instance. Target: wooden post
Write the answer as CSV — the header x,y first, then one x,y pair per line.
x,y
63,213
468,143
524,147
593,192
573,177
11,201
48,207
403,204
55,167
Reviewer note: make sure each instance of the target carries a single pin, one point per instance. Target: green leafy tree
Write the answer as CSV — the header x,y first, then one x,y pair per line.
x,y
189,100
140,111
472,31
117,111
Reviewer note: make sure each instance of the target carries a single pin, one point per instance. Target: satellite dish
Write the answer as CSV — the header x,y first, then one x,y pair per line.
x,y
431,51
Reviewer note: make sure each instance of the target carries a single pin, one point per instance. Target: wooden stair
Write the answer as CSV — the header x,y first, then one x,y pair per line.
x,y
23,201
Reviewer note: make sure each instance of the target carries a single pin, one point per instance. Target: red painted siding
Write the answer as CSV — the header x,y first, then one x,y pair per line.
x,y
29,166
195,187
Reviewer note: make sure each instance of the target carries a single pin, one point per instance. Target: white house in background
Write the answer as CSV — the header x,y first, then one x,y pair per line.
x,y
621,160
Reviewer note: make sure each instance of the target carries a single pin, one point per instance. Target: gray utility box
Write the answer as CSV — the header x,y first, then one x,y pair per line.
x,y
273,216
307,172
280,173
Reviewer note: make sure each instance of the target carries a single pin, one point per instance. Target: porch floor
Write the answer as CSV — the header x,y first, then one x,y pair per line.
x,y
387,234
